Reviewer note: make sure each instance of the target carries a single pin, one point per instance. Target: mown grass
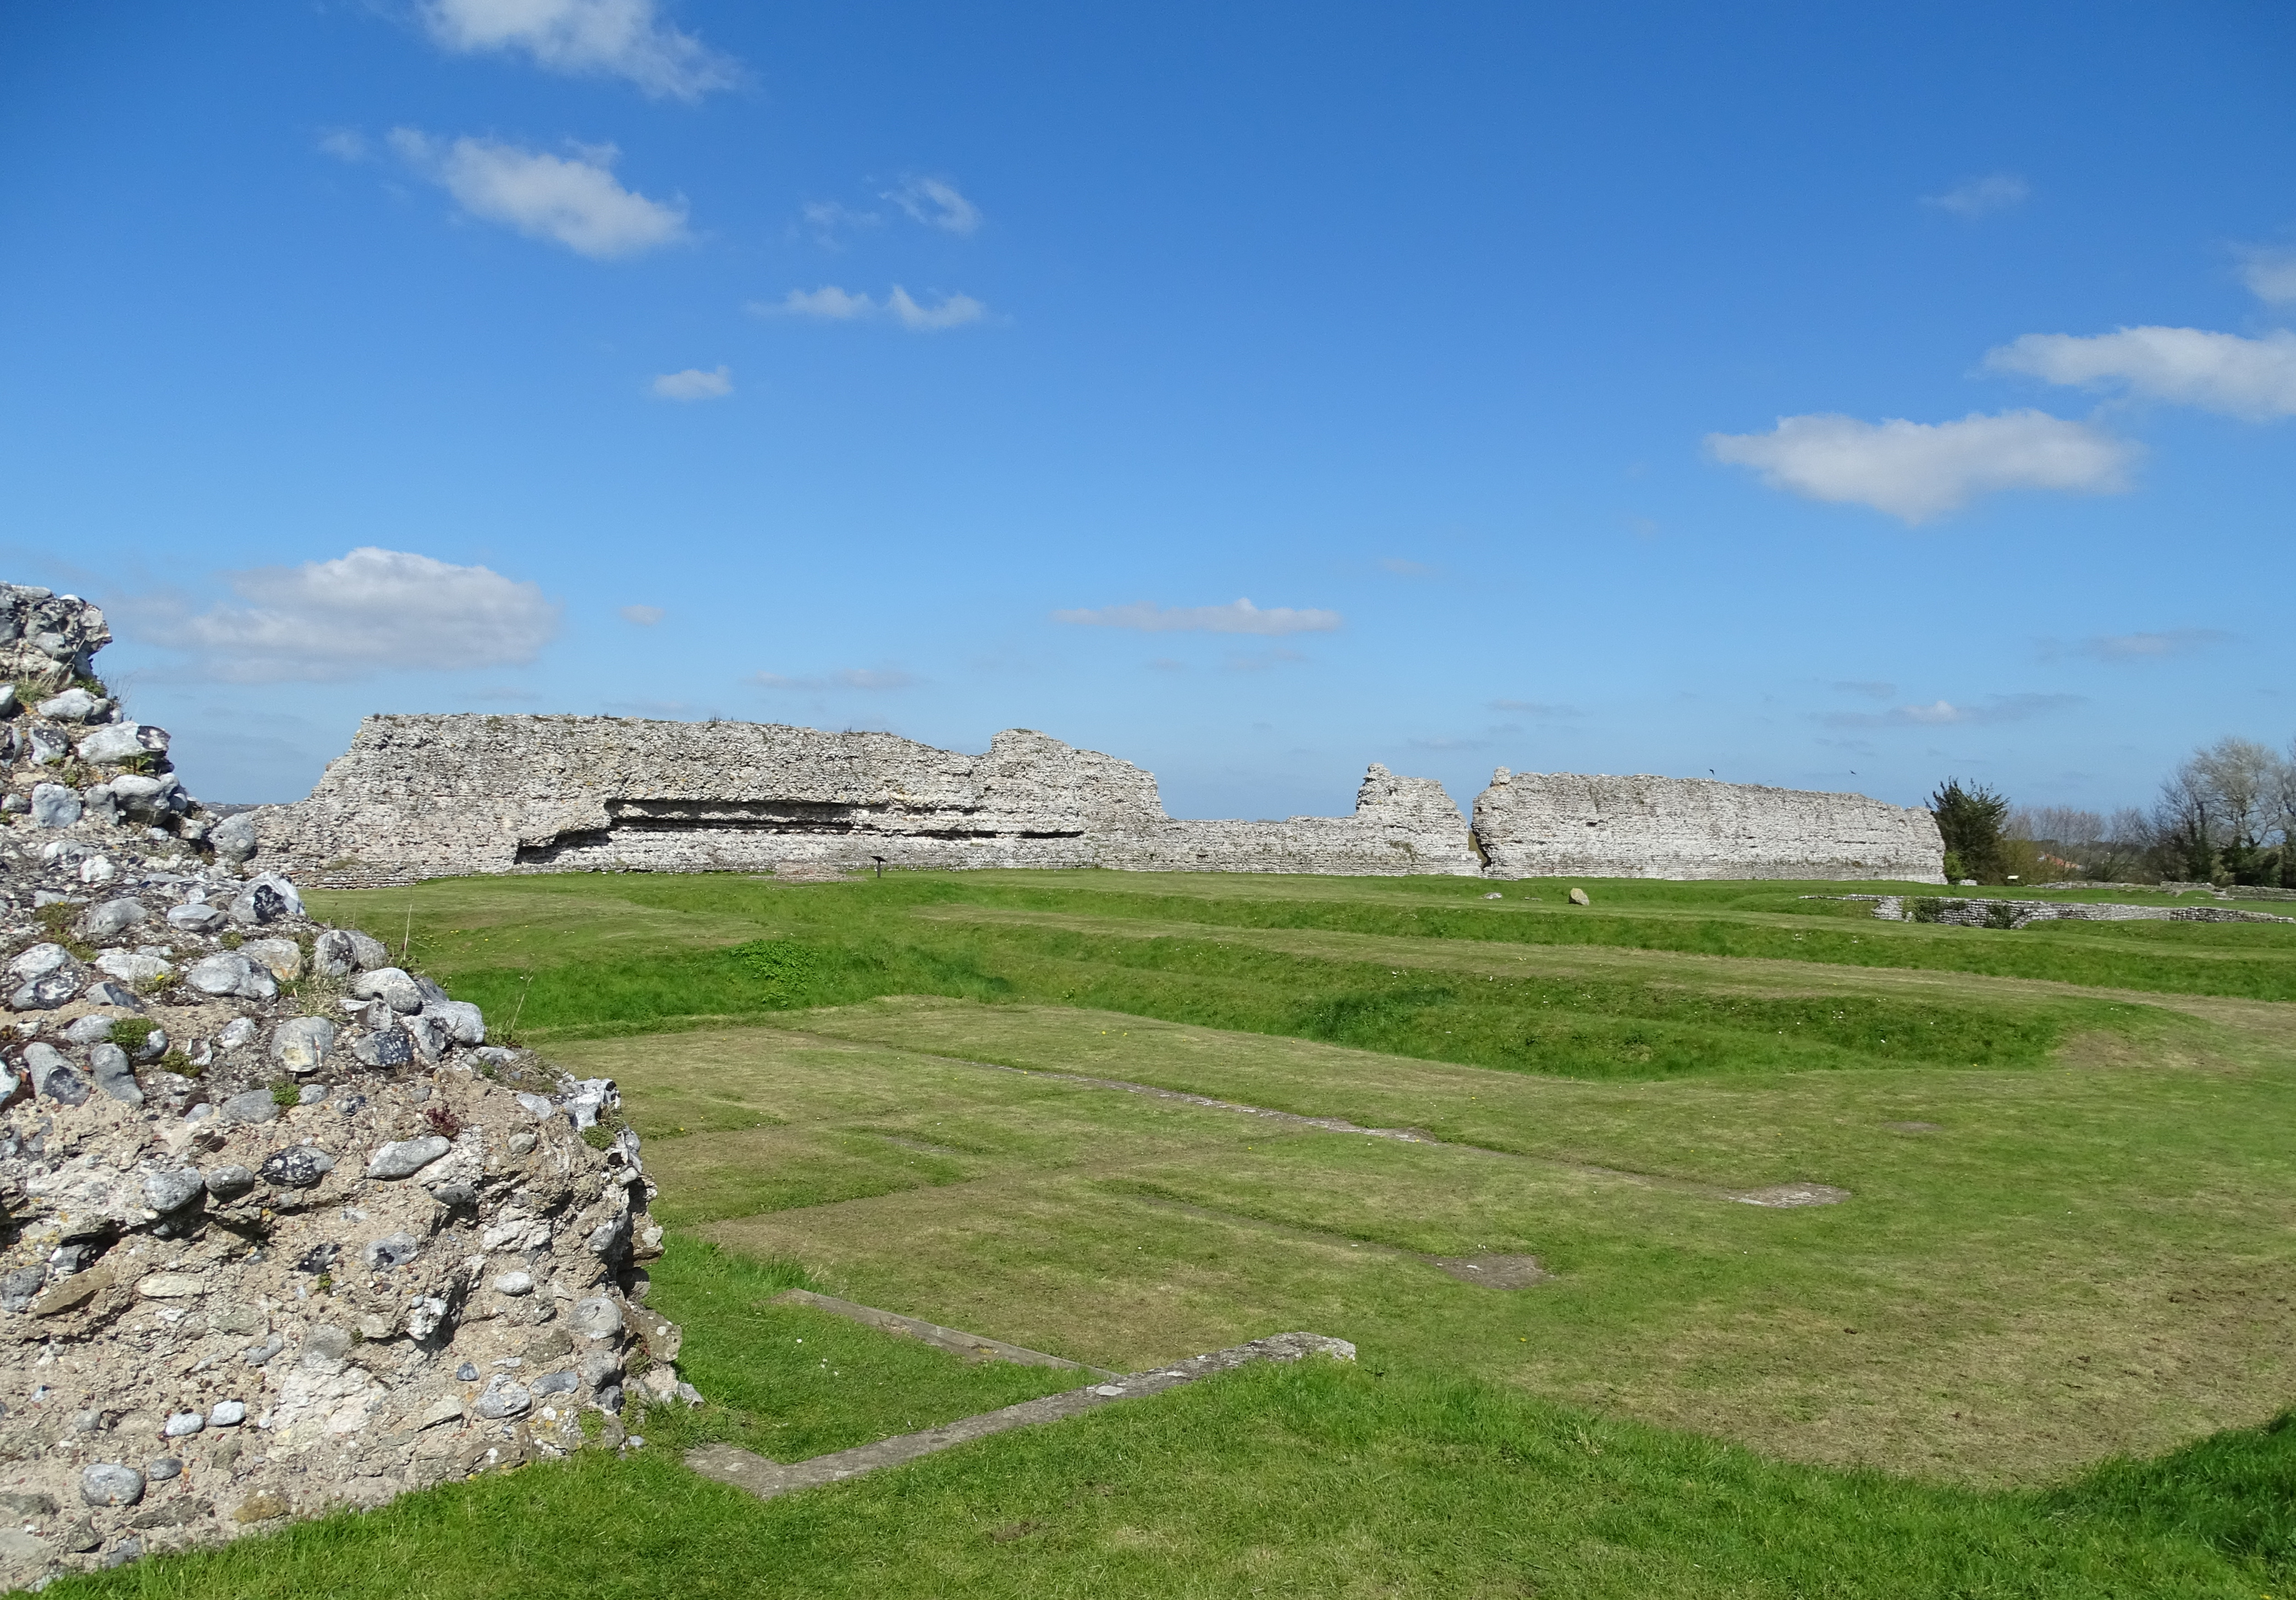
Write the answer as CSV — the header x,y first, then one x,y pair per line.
x,y
2034,1269
1319,1479
998,940
2068,1245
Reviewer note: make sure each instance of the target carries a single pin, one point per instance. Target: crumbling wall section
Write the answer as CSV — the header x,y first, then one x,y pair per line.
x,y
280,1229
1535,825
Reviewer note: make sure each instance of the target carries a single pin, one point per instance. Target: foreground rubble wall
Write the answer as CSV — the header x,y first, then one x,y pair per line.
x,y
1533,825
437,796
280,1229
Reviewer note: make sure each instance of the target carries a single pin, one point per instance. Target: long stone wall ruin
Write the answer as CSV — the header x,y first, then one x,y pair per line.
x,y
1537,824
436,796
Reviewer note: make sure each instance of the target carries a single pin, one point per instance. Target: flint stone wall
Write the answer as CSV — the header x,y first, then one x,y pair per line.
x,y
436,796
1537,824
418,797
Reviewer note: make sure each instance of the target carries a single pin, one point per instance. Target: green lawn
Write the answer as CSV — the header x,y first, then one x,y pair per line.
x,y
2038,1350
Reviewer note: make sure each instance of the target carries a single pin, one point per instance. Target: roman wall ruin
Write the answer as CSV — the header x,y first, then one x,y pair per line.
x,y
1537,824
436,796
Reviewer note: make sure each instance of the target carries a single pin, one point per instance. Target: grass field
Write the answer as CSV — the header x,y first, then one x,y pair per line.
x,y
2040,1349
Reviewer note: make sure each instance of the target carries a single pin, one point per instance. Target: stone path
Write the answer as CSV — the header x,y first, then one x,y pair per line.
x,y
746,1469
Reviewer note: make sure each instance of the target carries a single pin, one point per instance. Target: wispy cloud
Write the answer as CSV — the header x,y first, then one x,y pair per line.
x,y
2269,272
954,311
1873,689
1446,741
832,304
1533,708
865,678
1262,660
371,610
571,200
1981,196
644,616
695,385
828,217
2251,378
1406,569
2138,647
618,38
937,204
1942,713
1242,617
1917,471
506,694
344,144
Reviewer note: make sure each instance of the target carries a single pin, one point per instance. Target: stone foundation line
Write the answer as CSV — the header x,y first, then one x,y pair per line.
x,y
1776,1196
747,1470
1967,912
972,1347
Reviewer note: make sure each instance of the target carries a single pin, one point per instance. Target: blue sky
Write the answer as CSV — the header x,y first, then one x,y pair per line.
x,y
1837,397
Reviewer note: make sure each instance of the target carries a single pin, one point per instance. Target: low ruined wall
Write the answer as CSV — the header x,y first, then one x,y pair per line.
x,y
1535,825
418,796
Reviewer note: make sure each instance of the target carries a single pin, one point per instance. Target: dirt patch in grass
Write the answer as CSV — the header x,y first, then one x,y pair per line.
x,y
1493,1272
1786,1197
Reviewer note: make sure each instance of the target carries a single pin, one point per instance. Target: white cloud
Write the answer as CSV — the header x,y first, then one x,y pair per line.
x,y
572,200
954,311
936,204
622,39
1241,617
1916,471
2269,273
343,143
1995,708
695,385
1870,688
2251,378
371,610
849,678
1981,196
832,304
644,616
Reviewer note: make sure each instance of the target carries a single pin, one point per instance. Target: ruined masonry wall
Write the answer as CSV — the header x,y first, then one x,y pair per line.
x,y
418,797
1543,825
436,796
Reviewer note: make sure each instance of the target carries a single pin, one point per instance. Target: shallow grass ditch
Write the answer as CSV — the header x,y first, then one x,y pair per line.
x,y
831,944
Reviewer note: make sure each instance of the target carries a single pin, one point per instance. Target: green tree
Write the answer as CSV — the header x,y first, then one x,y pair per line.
x,y
1972,821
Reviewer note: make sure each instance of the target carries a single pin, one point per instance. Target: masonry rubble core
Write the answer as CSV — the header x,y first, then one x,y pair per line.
x,y
437,796
284,1232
